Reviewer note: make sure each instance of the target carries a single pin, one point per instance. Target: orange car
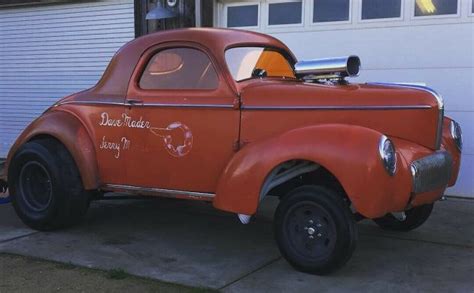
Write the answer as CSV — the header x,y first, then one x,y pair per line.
x,y
231,117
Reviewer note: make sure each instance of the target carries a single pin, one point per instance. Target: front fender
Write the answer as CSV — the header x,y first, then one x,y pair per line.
x,y
69,130
349,152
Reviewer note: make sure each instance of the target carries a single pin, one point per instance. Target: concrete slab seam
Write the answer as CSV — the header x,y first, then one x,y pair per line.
x,y
270,262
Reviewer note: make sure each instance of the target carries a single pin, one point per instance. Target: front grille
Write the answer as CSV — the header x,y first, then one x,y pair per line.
x,y
431,172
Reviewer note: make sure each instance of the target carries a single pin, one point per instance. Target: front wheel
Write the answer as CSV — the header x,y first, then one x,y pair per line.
x,y
315,230
414,218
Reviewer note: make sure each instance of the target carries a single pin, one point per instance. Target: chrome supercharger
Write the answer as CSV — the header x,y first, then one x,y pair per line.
x,y
334,69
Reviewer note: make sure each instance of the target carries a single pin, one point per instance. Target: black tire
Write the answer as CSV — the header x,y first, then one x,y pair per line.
x,y
415,217
331,242
45,186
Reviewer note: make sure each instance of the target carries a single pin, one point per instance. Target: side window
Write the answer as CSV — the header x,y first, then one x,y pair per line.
x,y
179,68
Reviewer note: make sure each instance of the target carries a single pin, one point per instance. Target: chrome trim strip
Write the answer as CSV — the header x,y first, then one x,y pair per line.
x,y
439,100
439,129
160,190
207,106
184,105
89,103
438,97
368,107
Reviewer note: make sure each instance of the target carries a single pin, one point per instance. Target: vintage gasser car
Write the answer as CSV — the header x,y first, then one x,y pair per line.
x,y
231,117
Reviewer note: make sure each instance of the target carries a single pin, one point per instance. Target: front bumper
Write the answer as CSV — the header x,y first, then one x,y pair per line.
x,y
431,172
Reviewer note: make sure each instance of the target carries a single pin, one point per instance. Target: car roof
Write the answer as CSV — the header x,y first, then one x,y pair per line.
x,y
116,77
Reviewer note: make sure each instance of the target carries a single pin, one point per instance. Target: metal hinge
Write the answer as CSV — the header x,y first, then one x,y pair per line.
x,y
236,103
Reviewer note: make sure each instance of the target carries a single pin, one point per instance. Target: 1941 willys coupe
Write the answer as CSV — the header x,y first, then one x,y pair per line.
x,y
231,117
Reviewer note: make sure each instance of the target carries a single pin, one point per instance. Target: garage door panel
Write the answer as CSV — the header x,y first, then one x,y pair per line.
x,y
32,35
104,11
465,184
67,29
50,51
58,11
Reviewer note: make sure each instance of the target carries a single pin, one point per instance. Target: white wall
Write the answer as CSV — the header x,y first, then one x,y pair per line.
x,y
438,51
438,59
50,51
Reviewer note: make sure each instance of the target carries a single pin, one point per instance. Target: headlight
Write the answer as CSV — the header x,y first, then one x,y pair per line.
x,y
388,155
456,134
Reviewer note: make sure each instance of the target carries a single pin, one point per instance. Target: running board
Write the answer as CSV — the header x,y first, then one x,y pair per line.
x,y
170,193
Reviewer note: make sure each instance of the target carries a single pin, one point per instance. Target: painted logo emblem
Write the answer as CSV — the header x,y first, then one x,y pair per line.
x,y
177,138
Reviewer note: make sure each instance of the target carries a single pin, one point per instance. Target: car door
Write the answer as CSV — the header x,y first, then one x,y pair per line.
x,y
182,121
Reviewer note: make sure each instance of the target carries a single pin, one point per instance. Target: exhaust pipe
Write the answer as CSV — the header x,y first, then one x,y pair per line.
x,y
328,68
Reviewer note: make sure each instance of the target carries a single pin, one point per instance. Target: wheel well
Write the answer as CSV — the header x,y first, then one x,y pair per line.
x,y
310,173
45,137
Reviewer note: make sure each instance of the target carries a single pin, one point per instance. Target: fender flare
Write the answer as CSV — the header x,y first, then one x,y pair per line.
x,y
70,131
348,152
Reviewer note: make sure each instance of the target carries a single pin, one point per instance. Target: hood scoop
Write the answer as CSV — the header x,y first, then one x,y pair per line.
x,y
328,70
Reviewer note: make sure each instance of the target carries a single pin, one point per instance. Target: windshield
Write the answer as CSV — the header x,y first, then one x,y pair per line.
x,y
250,62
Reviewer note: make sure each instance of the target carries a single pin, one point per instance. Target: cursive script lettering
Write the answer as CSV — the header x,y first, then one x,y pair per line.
x,y
140,123
115,147
124,121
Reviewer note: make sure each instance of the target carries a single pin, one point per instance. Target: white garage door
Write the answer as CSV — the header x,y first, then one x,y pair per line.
x,y
50,51
429,42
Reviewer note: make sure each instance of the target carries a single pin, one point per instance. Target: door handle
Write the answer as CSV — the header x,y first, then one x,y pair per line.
x,y
134,101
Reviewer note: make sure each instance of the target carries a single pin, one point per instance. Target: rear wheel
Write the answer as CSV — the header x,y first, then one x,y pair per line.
x,y
45,186
414,218
315,230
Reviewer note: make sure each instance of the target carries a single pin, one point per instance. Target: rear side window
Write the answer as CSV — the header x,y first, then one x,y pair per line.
x,y
179,68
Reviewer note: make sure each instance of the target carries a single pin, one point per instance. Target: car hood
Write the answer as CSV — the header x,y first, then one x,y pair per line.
x,y
406,112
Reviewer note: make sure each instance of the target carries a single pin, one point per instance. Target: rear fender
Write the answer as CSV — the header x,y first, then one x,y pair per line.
x,y
68,129
348,152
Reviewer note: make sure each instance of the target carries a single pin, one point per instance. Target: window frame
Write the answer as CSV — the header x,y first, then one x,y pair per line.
x,y
242,3
471,7
319,24
388,19
153,52
267,12
284,53
413,17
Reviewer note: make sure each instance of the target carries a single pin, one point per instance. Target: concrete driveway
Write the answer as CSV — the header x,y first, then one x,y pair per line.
x,y
190,243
